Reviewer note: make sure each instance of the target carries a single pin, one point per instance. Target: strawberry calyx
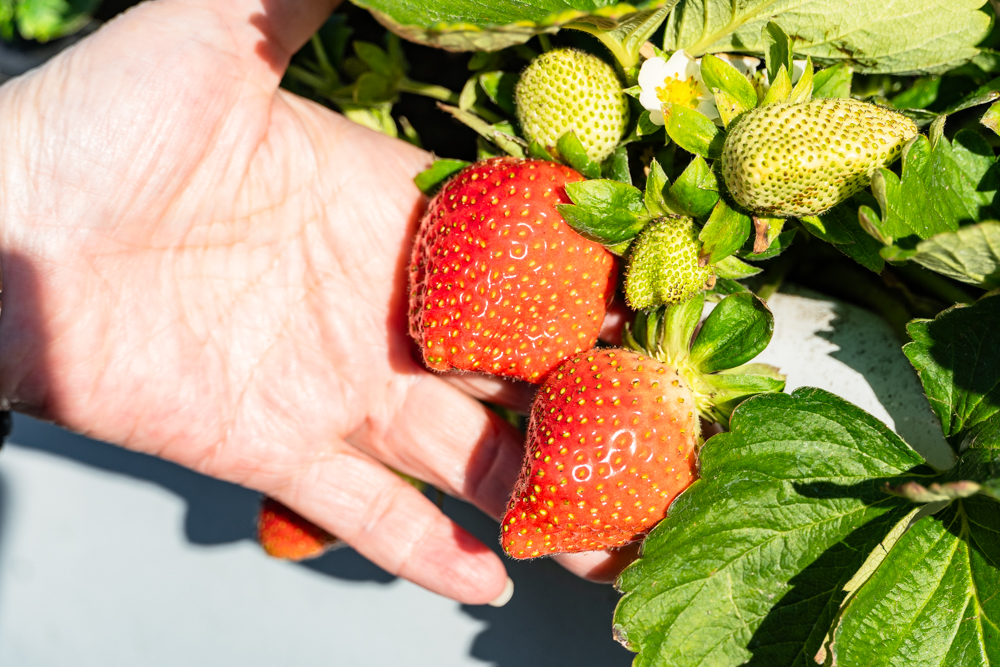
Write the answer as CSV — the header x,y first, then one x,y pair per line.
x,y
713,360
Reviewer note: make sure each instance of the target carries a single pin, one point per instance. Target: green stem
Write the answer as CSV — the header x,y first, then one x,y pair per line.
x,y
439,93
321,57
306,77
545,42
934,284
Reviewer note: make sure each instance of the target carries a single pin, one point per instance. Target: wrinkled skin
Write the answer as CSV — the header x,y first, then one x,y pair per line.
x,y
200,266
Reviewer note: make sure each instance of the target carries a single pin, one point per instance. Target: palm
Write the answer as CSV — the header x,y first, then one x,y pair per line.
x,y
217,275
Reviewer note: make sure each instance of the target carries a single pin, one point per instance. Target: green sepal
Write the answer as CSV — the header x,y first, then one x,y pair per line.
x,y
803,90
645,127
696,190
833,82
431,179
626,36
777,50
728,388
616,167
575,155
711,365
540,152
666,332
693,131
720,76
738,330
654,196
605,211
725,232
781,88
729,107
499,88
734,269
778,246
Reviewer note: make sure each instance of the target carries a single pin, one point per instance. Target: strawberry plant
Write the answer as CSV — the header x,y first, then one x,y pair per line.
x,y
688,158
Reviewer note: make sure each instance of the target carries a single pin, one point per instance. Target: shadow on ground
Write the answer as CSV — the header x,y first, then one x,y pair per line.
x,y
868,346
554,618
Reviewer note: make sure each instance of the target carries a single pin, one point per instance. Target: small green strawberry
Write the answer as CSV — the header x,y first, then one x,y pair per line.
x,y
567,90
786,160
614,434
663,266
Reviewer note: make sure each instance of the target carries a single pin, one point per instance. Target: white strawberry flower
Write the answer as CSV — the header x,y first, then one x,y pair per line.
x,y
678,81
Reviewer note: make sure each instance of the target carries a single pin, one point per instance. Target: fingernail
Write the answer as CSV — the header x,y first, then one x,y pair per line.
x,y
506,595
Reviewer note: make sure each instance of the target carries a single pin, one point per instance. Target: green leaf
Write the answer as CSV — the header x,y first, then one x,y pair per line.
x,y
725,232
970,255
720,75
840,226
624,38
940,187
429,180
696,190
933,600
464,25
991,118
575,155
920,95
777,50
957,355
751,560
833,82
733,269
900,36
735,332
605,211
373,88
499,87
540,152
377,59
44,20
693,131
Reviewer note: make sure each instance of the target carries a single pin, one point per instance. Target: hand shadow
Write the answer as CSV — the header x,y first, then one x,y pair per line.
x,y
554,618
217,512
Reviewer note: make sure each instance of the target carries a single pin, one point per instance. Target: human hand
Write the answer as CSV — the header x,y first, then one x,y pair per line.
x,y
200,266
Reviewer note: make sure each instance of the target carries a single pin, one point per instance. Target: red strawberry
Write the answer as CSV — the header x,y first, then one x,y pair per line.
x,y
499,283
611,443
613,434
285,534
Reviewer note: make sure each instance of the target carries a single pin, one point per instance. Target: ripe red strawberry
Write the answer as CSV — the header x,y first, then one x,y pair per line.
x,y
610,444
285,534
613,434
499,283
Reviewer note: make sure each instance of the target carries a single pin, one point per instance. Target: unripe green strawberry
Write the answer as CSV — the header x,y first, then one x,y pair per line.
x,y
786,160
569,90
663,266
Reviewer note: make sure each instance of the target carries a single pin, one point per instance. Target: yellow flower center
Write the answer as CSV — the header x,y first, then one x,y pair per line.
x,y
675,91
